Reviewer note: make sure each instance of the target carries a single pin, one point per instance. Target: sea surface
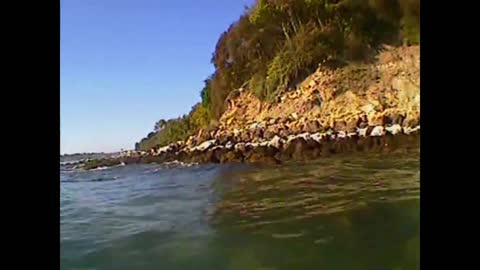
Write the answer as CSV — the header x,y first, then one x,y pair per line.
x,y
342,212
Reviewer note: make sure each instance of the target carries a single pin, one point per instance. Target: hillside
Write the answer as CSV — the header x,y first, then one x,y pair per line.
x,y
327,60
386,89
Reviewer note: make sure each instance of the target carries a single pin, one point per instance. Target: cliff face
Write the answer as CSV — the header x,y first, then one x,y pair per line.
x,y
386,90
357,107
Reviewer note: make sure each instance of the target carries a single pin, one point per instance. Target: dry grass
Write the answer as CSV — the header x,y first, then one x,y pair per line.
x,y
345,91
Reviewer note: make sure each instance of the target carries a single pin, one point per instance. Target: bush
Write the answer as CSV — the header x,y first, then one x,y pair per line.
x,y
177,129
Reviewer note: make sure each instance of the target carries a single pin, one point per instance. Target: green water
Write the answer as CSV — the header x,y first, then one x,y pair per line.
x,y
344,212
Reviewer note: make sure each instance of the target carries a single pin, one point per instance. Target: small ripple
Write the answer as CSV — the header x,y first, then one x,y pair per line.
x,y
287,235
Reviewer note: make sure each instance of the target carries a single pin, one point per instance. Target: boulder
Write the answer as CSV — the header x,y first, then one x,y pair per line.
x,y
262,154
231,156
394,119
258,133
394,129
362,122
283,132
276,142
240,147
268,134
377,131
296,148
216,153
204,146
362,132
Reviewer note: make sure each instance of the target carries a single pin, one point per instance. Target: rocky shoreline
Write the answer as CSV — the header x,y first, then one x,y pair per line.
x,y
358,107
300,147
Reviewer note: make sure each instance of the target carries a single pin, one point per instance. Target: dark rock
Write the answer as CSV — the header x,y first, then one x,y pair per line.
x,y
262,154
236,139
327,148
108,162
362,122
316,152
369,130
258,133
317,101
198,157
249,147
296,148
378,143
240,147
283,133
151,159
216,155
364,144
266,150
312,144
394,119
258,158
268,134
344,145
129,160
181,155
224,139
231,156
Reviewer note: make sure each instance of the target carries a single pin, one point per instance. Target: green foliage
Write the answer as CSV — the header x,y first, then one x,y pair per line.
x,y
177,129
410,23
173,130
257,85
159,125
205,94
299,57
199,117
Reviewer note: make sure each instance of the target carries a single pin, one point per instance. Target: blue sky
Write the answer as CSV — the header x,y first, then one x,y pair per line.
x,y
124,64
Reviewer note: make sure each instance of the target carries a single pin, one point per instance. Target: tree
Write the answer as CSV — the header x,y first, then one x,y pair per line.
x,y
160,124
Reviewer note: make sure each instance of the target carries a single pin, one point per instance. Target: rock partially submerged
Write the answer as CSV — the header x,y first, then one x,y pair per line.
x,y
304,146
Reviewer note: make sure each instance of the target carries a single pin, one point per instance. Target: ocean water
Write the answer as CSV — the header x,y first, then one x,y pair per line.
x,y
343,212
